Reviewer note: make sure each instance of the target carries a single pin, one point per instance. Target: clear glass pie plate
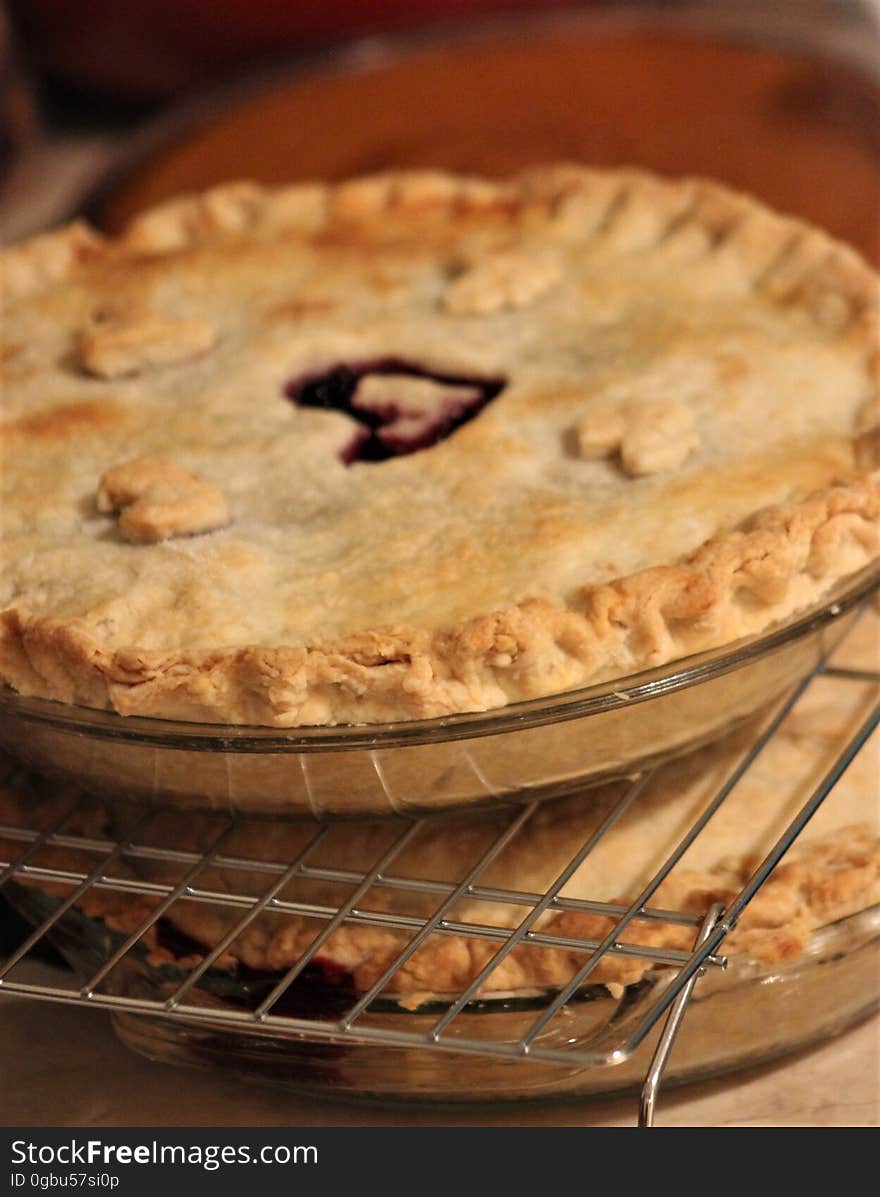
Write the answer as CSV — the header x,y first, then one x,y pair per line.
x,y
749,1014
544,748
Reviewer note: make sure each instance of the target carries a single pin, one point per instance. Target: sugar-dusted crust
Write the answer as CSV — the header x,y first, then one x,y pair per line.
x,y
832,871
503,563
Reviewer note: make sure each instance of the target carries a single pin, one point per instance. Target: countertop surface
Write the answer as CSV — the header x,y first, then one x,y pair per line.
x,y
63,1066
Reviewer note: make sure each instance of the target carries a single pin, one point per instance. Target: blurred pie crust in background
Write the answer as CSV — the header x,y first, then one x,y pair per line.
x,y
798,128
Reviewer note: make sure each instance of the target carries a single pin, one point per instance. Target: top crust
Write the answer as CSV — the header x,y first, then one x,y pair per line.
x,y
501,564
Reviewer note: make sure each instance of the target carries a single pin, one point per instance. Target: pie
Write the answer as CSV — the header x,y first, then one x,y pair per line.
x,y
418,444
832,871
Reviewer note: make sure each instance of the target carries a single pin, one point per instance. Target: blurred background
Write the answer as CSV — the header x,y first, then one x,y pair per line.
x,y
110,105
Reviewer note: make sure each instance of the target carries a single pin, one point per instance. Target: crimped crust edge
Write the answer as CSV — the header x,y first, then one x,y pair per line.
x,y
735,585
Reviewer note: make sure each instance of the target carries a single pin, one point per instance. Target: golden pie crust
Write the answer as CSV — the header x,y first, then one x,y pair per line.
x,y
681,454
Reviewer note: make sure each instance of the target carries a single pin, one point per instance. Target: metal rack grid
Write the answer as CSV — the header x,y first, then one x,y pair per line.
x,y
709,932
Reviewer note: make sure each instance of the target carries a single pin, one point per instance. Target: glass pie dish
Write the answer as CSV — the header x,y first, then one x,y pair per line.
x,y
544,748
735,1020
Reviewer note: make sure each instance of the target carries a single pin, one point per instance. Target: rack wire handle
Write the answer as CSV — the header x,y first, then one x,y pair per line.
x,y
648,1096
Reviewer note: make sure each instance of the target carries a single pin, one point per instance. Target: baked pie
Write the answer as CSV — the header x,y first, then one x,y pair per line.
x,y
832,871
418,444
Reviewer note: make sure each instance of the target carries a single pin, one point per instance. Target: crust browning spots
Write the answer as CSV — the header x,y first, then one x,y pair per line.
x,y
732,367
360,246
300,308
13,362
66,421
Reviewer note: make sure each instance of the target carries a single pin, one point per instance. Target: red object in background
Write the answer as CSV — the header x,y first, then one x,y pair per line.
x,y
153,49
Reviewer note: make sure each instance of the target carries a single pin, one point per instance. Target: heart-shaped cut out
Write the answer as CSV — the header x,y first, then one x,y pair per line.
x,y
401,408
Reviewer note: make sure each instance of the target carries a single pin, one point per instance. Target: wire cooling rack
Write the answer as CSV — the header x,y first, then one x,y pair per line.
x,y
267,1014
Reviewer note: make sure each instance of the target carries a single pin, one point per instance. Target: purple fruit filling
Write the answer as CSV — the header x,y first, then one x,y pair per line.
x,y
394,419
323,990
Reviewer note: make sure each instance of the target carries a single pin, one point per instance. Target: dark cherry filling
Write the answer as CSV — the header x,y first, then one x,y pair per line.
x,y
392,427
323,990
